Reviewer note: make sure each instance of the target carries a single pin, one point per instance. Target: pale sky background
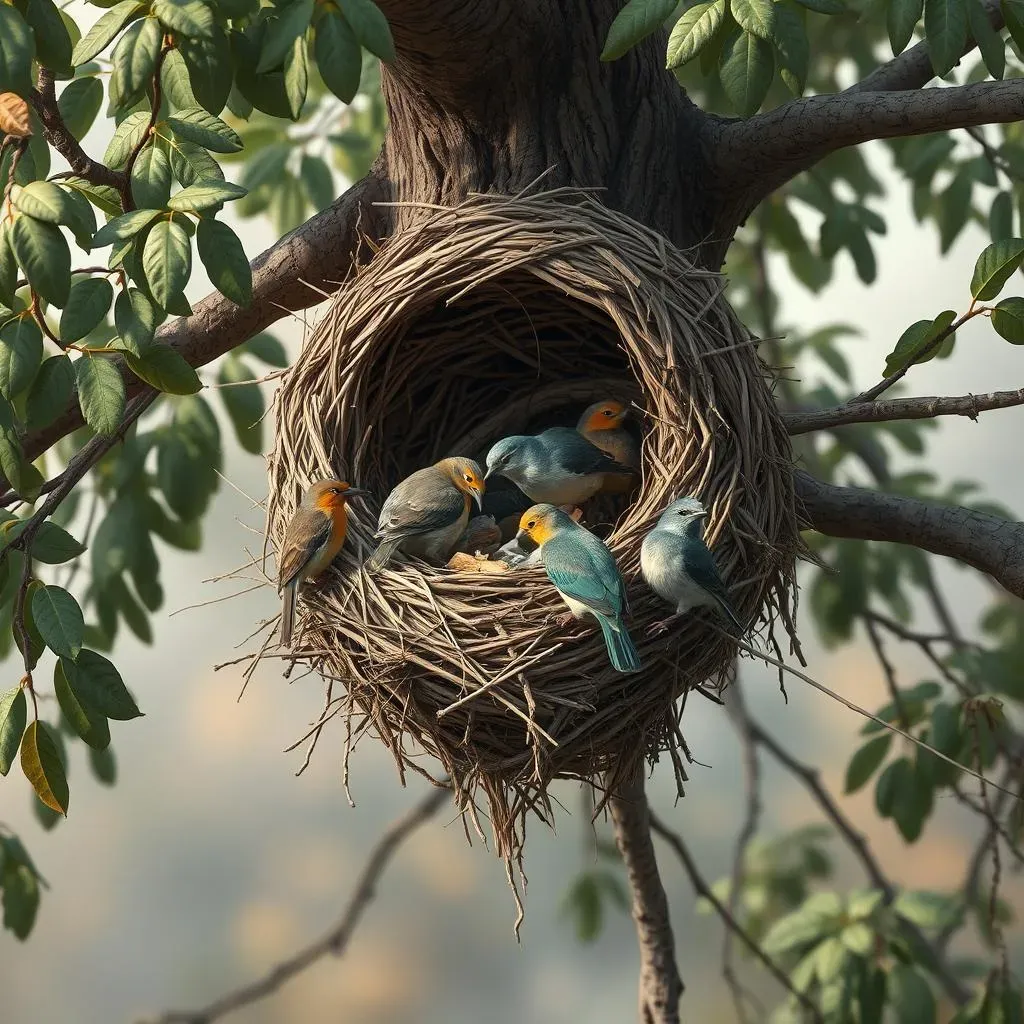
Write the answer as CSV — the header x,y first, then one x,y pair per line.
x,y
210,860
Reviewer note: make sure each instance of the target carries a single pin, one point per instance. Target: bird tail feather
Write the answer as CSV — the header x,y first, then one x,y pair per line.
x,y
291,592
727,612
383,555
621,652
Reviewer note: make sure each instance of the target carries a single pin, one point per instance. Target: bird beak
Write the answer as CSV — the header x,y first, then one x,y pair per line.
x,y
520,534
487,475
479,496
357,492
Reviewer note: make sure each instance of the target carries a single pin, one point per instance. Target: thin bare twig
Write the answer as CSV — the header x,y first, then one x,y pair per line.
x,y
704,890
337,939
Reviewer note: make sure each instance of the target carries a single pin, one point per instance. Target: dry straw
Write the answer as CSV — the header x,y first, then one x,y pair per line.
x,y
504,315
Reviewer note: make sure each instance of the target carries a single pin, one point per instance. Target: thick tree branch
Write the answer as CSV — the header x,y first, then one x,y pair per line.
x,y
771,148
660,984
924,408
335,941
291,275
992,545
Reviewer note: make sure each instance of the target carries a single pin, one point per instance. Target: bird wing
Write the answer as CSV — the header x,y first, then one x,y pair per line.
x,y
585,571
308,531
701,568
420,504
575,454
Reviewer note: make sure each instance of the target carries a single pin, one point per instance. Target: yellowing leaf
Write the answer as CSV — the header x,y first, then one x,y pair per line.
x,y
41,763
14,115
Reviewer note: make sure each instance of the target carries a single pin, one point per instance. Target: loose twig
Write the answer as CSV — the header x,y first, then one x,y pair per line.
x,y
900,409
336,940
660,984
704,890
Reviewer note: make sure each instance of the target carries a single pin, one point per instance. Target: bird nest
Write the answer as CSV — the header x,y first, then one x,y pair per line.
x,y
507,315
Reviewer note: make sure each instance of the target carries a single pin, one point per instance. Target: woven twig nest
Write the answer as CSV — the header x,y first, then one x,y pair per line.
x,y
507,315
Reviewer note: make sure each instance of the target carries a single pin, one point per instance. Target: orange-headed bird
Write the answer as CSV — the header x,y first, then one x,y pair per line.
x,y
602,425
314,536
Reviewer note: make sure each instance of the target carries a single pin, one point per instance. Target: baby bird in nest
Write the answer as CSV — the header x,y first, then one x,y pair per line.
x,y
428,512
679,568
586,577
602,424
556,467
313,539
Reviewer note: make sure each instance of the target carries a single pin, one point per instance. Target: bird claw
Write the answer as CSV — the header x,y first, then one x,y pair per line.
x,y
657,628
562,620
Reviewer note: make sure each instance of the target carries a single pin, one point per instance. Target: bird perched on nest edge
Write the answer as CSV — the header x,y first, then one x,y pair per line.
x,y
557,467
313,539
586,577
427,513
677,565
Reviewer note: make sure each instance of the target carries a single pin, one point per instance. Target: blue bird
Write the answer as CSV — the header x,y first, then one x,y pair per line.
x,y
585,575
558,467
678,566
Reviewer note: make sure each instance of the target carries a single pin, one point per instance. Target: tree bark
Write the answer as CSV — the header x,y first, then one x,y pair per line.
x,y
660,984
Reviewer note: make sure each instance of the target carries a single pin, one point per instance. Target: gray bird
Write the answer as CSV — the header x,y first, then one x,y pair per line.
x,y
678,566
427,513
556,467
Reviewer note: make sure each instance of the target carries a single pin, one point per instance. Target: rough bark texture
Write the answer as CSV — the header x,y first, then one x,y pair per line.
x,y
660,985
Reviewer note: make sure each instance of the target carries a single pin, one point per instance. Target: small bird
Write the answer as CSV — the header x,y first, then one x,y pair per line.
x,y
585,575
428,512
556,467
482,537
602,425
313,538
678,566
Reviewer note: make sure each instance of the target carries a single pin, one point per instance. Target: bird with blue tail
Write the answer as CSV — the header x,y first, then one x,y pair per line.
x,y
427,513
679,568
558,466
314,537
586,577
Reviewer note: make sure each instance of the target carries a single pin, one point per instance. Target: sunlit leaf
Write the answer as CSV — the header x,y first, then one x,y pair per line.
x,y
42,765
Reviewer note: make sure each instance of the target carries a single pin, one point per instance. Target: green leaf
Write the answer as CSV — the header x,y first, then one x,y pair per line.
x,y
370,26
131,611
281,33
296,77
21,352
53,43
189,19
205,194
206,130
41,763
208,60
990,42
865,762
50,392
244,403
224,258
13,716
105,30
165,369
1008,320
88,723
167,260
79,104
902,18
101,393
994,267
59,620
135,320
98,683
824,6
126,226
151,178
1013,13
746,69
318,181
338,56
829,959
20,900
694,31
134,62
86,309
44,201
174,80
755,16
101,196
8,265
636,21
52,545
1000,217
191,163
915,339
583,903
928,910
808,924
17,49
945,29
267,349
43,255
792,48
911,996
130,132
858,938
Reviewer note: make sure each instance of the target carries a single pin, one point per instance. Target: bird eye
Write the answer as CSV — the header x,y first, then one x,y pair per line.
x,y
609,412
531,524
468,478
